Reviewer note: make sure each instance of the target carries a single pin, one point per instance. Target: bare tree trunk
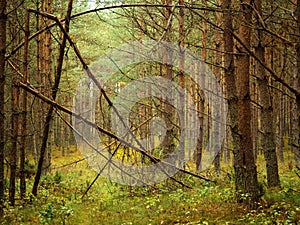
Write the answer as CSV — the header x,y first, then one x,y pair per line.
x,y
231,90
200,99
14,119
246,160
181,76
37,112
54,93
169,115
255,119
281,124
24,113
267,125
14,139
217,128
3,18
297,152
48,72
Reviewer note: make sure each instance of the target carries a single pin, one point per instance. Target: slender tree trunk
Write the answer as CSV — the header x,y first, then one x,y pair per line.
x,y
24,113
3,18
231,90
255,119
281,125
169,115
217,109
54,93
200,99
48,73
14,139
15,96
267,112
181,76
246,161
297,152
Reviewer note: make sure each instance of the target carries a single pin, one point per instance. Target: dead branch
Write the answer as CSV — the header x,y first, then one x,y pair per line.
x,y
100,129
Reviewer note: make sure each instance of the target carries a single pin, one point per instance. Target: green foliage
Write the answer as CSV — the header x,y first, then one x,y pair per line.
x,y
50,180
55,212
59,202
47,214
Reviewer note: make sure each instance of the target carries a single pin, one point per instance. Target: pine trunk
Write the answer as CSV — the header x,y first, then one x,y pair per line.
x,y
3,19
50,111
248,174
297,151
267,125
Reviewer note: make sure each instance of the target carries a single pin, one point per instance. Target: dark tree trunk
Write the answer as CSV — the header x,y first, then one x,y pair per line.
x,y
181,74
231,91
267,125
167,72
217,128
14,139
24,112
200,98
2,101
246,161
297,151
50,111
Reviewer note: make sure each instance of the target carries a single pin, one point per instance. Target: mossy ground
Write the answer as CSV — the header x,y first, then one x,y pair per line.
x,y
60,200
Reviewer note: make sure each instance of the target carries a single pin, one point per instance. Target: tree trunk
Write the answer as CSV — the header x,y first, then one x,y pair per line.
x,y
297,152
54,93
169,114
281,113
3,18
217,129
47,81
24,113
246,161
14,139
231,91
181,76
267,125
255,118
200,99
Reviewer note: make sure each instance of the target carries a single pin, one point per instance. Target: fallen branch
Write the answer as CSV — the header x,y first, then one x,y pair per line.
x,y
100,129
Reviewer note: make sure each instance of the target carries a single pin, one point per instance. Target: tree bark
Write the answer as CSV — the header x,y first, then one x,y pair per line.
x,y
248,175
24,112
54,93
14,139
200,98
297,151
3,18
217,129
169,114
182,101
231,90
267,112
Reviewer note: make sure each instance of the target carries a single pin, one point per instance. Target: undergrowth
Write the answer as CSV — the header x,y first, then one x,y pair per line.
x,y
60,201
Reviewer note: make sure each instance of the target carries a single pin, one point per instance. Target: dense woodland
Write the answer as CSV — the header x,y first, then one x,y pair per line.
x,y
252,48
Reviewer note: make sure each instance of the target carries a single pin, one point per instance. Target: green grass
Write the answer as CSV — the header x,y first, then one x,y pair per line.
x,y
60,201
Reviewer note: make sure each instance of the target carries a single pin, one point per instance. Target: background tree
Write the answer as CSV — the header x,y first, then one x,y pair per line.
x,y
54,94
249,184
267,127
2,98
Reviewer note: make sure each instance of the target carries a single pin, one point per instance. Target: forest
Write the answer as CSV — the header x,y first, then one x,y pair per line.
x,y
149,112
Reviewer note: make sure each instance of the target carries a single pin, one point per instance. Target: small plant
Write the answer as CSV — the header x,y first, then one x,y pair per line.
x,y
57,177
47,214
64,213
53,212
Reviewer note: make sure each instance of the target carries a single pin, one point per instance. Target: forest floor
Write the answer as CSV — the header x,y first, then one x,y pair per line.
x,y
60,200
